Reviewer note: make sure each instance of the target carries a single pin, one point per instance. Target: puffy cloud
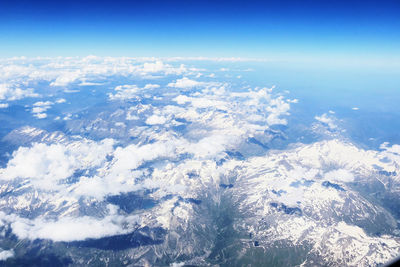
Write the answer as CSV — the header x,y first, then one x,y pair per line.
x,y
5,254
3,105
179,149
44,162
16,75
40,107
212,145
43,104
132,156
61,100
45,165
64,174
151,86
125,92
185,83
277,108
40,115
155,119
66,78
10,92
201,102
391,152
395,149
325,119
295,101
71,228
159,66
182,99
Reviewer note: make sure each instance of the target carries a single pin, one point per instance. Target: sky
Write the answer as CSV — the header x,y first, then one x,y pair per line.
x,y
364,32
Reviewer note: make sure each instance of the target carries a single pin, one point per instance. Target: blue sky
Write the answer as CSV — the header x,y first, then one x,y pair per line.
x,y
366,32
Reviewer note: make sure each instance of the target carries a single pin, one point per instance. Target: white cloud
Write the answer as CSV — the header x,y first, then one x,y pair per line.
x,y
39,109
62,72
132,156
3,105
155,159
329,121
391,152
155,119
66,78
45,165
182,99
151,86
185,83
178,264
10,92
5,254
61,100
395,149
125,92
71,228
293,101
157,66
43,104
40,115
277,108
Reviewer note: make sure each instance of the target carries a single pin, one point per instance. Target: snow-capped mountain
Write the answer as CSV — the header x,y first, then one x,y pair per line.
x,y
189,172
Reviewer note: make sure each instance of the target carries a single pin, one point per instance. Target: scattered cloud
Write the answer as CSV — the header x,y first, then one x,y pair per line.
x,y
39,109
126,92
201,132
16,76
327,120
185,83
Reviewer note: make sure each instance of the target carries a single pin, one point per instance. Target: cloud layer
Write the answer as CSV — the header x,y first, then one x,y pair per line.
x,y
168,144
